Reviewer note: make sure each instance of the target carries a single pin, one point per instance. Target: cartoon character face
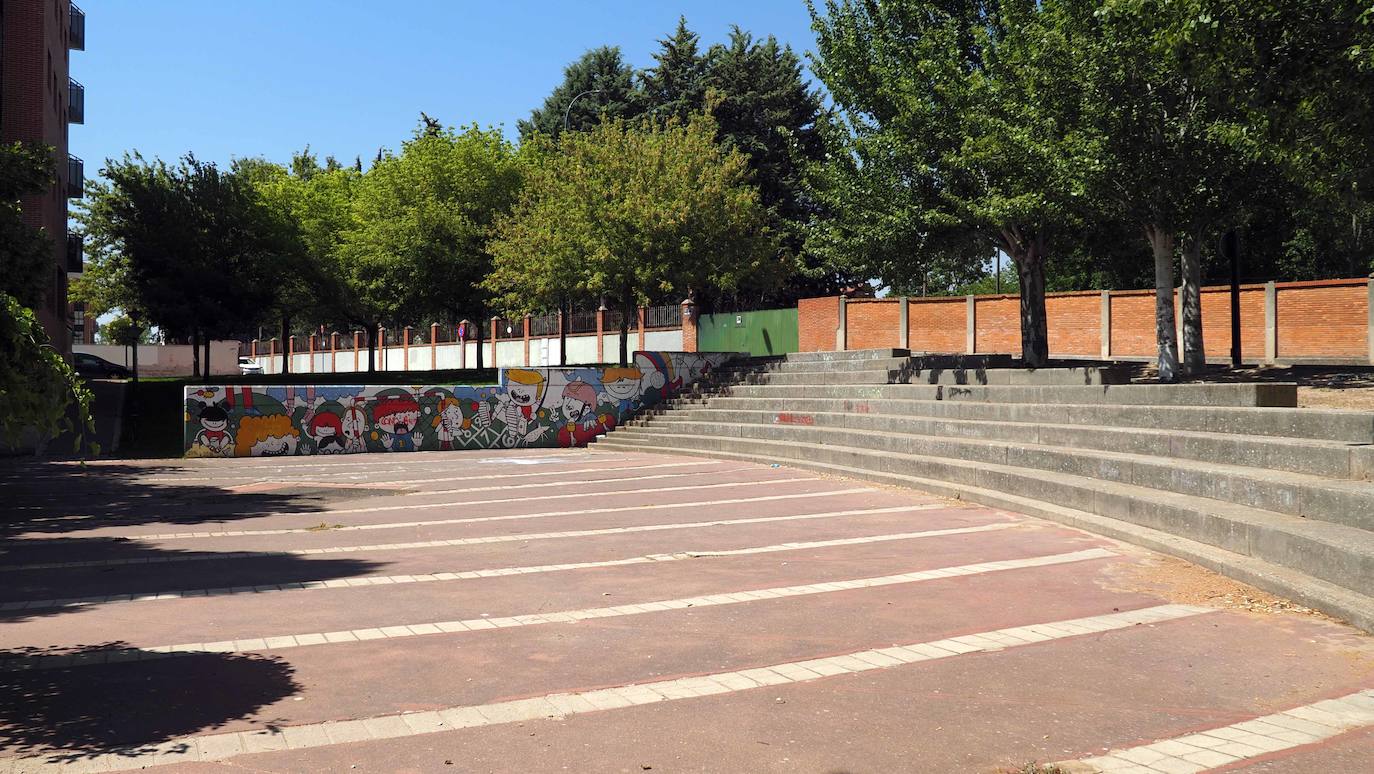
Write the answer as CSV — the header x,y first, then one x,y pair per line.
x,y
353,423
399,422
267,436
214,419
624,388
578,398
452,415
523,394
572,408
275,446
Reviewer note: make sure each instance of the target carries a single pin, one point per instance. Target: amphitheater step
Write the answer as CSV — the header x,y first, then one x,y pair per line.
x,y
1313,497
852,354
819,386
1348,427
1331,598
1335,554
1329,459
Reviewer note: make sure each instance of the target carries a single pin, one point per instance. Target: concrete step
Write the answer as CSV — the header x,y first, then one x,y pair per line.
x,y
1313,497
1350,427
1241,563
1269,394
806,378
820,368
1328,459
1076,375
851,354
1337,554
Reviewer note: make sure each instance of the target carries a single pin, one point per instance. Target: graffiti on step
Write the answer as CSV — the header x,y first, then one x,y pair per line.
x,y
530,407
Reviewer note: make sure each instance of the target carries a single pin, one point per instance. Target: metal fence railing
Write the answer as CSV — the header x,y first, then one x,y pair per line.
x,y
666,316
582,322
544,325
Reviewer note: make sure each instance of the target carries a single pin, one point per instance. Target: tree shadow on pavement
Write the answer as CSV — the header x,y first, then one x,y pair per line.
x,y
64,715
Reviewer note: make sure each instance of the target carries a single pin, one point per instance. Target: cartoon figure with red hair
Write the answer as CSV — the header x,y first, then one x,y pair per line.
x,y
354,429
395,417
578,420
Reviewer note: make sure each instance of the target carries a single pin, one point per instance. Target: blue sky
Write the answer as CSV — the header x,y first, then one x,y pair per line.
x,y
229,78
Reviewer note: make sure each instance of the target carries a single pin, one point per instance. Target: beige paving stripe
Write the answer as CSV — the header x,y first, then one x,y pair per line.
x,y
114,522
513,538
282,642
546,472
578,482
217,747
510,517
390,463
1226,745
384,580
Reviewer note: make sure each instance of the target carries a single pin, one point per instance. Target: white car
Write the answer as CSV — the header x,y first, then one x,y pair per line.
x,y
249,367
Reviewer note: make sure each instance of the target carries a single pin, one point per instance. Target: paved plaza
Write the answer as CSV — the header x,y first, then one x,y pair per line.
x,y
585,611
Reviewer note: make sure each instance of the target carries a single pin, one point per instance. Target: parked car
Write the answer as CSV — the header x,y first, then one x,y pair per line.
x,y
249,367
99,368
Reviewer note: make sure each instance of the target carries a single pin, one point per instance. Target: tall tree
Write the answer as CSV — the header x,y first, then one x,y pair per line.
x,y
602,85
26,169
634,211
676,86
422,222
966,137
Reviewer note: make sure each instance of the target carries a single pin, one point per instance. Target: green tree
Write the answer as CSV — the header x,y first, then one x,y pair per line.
x,y
422,221
40,395
603,85
966,138
26,169
634,211
676,86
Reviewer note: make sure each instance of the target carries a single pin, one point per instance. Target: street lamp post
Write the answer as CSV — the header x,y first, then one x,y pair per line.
x,y
568,111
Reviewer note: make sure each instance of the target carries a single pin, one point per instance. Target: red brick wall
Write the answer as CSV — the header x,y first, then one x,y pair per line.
x,y
817,319
1315,320
936,324
1323,319
997,324
873,323
1075,324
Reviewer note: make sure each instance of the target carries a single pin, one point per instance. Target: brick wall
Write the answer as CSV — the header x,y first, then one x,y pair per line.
x,y
1316,321
936,324
873,324
817,319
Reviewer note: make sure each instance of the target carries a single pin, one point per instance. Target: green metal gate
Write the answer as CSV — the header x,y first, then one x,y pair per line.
x,y
768,332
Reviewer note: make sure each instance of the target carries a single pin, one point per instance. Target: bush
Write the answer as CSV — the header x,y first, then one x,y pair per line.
x,y
38,388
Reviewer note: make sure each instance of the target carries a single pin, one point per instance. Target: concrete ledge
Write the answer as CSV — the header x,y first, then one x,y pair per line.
x,y
1183,395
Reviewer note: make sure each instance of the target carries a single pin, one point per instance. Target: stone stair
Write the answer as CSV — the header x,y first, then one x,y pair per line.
x,y
1231,476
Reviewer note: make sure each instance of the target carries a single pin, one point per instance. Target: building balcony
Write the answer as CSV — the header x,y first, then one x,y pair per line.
x,y
76,254
76,177
76,29
76,102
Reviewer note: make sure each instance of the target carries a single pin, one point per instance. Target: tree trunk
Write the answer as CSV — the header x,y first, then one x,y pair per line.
x,y
1035,337
1027,251
1166,337
480,329
285,344
138,336
1194,355
206,359
627,309
565,319
372,348
195,352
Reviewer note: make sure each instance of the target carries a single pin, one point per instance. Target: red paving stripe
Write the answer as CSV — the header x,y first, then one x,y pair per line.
x,y
279,642
382,580
212,747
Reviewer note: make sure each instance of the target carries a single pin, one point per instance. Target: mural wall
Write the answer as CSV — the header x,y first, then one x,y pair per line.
x,y
535,407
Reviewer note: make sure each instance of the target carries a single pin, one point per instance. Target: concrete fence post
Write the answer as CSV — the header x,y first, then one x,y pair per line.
x,y
689,325
434,346
641,314
311,344
381,348
1178,319
357,345
970,325
904,322
495,321
842,327
253,349
1106,331
405,348
1369,310
527,339
463,327
334,352
600,332
271,355
1271,322
290,354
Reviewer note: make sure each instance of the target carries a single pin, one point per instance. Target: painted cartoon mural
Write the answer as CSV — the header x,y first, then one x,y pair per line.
x,y
533,407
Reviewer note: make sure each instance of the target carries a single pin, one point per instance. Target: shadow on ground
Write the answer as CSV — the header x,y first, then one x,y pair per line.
x,y
48,505
66,715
